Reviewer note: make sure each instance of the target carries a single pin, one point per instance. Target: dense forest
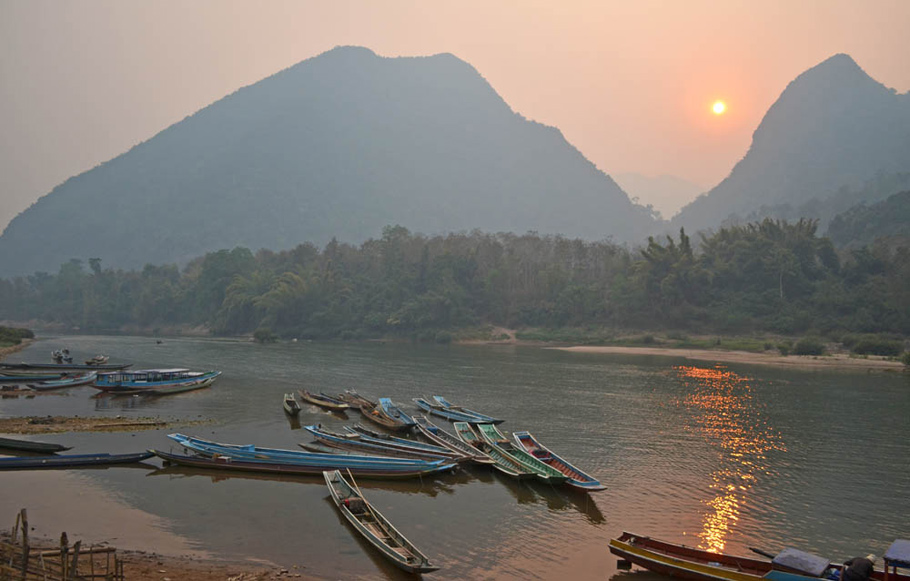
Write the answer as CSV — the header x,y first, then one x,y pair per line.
x,y
769,277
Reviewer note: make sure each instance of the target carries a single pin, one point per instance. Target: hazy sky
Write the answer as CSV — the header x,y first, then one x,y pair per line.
x,y
630,83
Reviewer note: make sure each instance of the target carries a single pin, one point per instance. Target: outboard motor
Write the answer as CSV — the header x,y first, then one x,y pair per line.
x,y
858,568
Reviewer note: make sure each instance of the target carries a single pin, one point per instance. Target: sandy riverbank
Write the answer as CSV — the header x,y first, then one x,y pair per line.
x,y
839,360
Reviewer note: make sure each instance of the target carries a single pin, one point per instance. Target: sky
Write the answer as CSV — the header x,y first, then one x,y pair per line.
x,y
629,83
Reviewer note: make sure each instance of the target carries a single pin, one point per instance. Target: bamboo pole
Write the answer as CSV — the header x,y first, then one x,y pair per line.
x,y
75,567
25,547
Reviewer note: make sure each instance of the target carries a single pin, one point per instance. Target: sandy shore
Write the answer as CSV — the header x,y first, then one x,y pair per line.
x,y
60,424
839,360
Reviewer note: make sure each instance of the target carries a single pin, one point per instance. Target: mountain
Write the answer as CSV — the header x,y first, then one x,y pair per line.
x,y
833,127
339,145
862,225
666,193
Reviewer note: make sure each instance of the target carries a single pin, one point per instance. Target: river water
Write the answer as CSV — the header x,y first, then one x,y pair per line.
x,y
721,457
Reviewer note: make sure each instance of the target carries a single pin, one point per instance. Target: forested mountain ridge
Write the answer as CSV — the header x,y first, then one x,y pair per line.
x,y
885,223
833,129
336,146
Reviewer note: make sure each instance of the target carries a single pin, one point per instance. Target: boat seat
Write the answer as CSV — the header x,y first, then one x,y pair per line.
x,y
355,505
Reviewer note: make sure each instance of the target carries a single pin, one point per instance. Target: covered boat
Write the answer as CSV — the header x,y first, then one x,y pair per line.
x,y
70,461
501,462
154,381
324,401
29,446
374,527
576,477
497,440
699,565
478,417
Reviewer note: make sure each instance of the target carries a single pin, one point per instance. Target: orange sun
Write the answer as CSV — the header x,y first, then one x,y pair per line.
x,y
719,107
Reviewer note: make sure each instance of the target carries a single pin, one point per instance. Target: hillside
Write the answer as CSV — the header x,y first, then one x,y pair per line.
x,y
862,225
833,129
339,145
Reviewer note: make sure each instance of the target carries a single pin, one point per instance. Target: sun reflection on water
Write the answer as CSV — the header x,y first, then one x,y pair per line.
x,y
722,408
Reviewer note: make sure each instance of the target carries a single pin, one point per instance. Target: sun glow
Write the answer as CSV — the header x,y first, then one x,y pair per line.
x,y
719,107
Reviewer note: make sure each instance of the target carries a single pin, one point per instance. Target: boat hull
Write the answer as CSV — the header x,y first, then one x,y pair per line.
x,y
575,477
71,461
29,446
498,442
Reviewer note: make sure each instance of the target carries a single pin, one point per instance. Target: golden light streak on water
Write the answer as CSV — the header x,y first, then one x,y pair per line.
x,y
723,411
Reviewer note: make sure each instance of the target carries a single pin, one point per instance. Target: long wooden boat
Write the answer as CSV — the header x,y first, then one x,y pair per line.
x,y
501,462
325,461
291,406
154,381
65,381
237,463
367,435
324,401
374,527
355,400
29,446
44,368
436,435
25,378
479,417
70,461
576,477
355,442
394,412
698,565
444,412
375,414
496,439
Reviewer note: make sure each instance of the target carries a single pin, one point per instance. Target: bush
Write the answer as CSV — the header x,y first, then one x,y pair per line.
x,y
906,358
14,336
809,346
264,335
443,337
874,345
784,348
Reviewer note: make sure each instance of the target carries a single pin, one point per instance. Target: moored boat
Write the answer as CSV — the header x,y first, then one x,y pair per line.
x,y
291,407
154,381
576,477
368,435
394,412
64,381
45,368
324,401
444,412
29,446
501,462
374,527
479,417
436,435
695,564
354,399
374,413
356,442
70,461
97,360
497,440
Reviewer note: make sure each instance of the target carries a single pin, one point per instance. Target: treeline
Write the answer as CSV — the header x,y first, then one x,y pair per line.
x,y
771,276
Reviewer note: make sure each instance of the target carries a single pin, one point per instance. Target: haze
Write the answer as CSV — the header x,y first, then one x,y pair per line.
x,y
629,84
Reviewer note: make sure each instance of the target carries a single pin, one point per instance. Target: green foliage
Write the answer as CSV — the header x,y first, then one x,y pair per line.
x,y
809,346
14,336
785,347
264,335
906,358
875,345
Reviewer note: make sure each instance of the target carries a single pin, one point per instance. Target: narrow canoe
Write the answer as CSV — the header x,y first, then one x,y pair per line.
x,y
73,381
480,418
375,414
444,412
154,381
394,412
497,440
368,435
29,446
374,527
502,462
354,399
71,461
355,442
577,477
436,435
291,406
58,367
699,565
322,400
223,462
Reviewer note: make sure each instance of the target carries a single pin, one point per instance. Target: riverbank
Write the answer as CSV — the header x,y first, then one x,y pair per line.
x,y
60,424
838,360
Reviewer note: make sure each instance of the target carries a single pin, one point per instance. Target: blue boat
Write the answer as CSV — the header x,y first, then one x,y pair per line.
x,y
368,435
480,418
64,381
356,442
394,412
71,461
436,435
446,413
154,381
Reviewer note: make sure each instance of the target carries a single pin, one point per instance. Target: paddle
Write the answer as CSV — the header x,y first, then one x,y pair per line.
x,y
762,553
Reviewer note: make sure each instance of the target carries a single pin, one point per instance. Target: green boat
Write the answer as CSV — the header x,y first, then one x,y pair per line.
x,y
502,462
497,440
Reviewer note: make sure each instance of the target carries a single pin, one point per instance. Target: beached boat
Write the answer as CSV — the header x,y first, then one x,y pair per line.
x,y
45,368
576,477
20,378
394,412
368,435
70,461
29,446
374,527
64,381
324,401
479,418
291,407
496,439
436,435
154,381
355,400
374,413
501,462
444,412
698,565
356,442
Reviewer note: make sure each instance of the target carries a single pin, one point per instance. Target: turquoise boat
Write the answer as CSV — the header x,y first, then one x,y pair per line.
x,y
497,440
501,461
576,477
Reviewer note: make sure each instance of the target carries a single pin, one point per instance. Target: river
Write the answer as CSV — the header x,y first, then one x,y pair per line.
x,y
721,457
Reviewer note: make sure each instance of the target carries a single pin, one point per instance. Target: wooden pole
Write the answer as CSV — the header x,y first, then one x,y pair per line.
x,y
25,548
64,551
75,566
